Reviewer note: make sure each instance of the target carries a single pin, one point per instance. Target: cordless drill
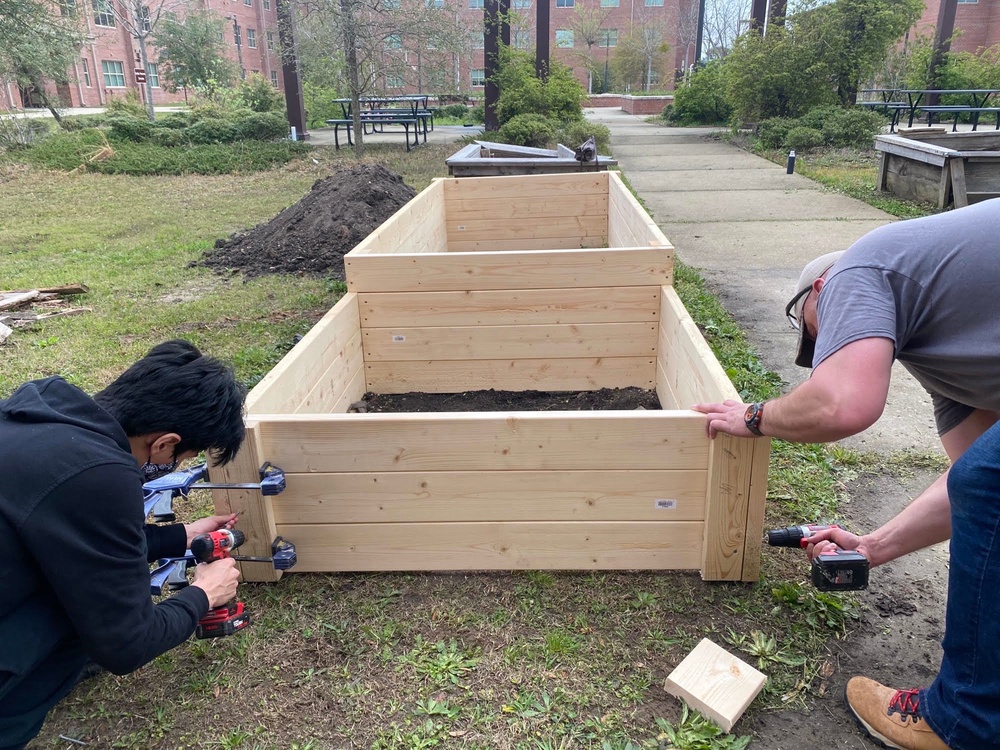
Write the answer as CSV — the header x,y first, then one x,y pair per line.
x,y
840,570
231,617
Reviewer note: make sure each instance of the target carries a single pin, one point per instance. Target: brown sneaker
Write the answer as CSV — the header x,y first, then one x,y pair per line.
x,y
891,717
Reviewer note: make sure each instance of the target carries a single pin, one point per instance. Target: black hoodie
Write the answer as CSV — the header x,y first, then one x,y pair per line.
x,y
73,551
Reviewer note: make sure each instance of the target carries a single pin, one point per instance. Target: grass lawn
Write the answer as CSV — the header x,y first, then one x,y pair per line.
x,y
533,661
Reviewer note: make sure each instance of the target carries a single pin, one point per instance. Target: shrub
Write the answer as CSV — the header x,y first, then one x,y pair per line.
x,y
168,137
78,122
773,132
127,128
456,111
559,97
173,120
528,130
702,100
476,115
18,132
320,104
852,127
211,130
572,134
804,139
128,105
257,94
261,126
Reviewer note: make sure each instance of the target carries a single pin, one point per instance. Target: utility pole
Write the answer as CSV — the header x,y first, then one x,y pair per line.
x,y
542,39
942,43
294,105
496,20
607,54
237,37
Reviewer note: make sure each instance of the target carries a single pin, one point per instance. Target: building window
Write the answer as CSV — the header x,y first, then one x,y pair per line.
x,y
609,3
153,75
479,41
565,3
103,13
142,14
85,68
435,3
267,4
114,74
391,4
394,41
522,39
564,37
521,4
67,8
274,78
479,77
252,38
970,2
248,3
476,4
393,81
608,38
270,40
654,3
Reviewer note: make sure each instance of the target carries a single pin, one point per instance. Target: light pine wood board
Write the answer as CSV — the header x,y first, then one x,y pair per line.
x,y
664,393
347,363
456,376
526,208
492,189
562,545
291,380
641,224
539,243
256,519
622,304
620,234
353,392
416,227
715,683
544,269
475,441
755,513
509,229
557,341
730,465
451,496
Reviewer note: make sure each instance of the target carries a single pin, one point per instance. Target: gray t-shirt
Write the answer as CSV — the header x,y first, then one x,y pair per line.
x,y
932,286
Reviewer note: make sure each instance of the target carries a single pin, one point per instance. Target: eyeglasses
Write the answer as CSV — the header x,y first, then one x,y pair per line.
x,y
790,308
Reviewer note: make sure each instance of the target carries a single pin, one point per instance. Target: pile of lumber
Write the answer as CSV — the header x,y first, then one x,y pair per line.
x,y
21,308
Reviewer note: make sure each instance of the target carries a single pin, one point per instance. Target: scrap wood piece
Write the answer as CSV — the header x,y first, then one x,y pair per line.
x,y
5,332
10,300
715,683
22,319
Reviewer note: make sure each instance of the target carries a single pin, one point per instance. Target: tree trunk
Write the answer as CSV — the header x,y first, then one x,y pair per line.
x,y
353,74
144,61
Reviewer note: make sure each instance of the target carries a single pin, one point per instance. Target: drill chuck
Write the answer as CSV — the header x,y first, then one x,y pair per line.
x,y
216,545
794,536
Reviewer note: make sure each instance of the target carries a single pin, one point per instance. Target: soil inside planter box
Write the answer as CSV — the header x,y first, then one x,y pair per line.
x,y
605,399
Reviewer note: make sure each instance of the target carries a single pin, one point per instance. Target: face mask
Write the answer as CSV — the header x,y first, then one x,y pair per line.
x,y
151,471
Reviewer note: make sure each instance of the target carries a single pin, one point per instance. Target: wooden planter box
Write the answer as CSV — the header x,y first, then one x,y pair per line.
x,y
486,159
543,282
940,168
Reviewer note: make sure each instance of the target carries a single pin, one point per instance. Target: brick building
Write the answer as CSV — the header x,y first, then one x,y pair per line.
x,y
108,60
977,23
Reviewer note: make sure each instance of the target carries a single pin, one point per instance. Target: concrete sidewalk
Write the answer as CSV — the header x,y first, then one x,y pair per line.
x,y
750,228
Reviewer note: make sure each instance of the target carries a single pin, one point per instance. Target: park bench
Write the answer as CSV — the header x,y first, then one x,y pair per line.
x,y
956,111
376,122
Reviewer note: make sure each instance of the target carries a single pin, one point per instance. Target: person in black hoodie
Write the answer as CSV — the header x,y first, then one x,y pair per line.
x,y
74,548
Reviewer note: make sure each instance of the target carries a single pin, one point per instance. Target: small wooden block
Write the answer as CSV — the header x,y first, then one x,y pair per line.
x,y
715,683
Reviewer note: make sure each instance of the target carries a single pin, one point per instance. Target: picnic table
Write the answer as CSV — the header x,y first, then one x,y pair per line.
x,y
890,101
379,111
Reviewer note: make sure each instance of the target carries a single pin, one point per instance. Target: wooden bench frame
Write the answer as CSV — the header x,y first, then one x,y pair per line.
x,y
376,119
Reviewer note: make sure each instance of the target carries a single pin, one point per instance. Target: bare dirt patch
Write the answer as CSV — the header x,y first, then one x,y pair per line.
x,y
605,399
311,237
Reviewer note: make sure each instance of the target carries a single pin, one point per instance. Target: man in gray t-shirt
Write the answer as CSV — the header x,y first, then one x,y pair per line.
x,y
925,292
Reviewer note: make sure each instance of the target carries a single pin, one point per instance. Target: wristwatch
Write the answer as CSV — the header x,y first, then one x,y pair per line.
x,y
754,413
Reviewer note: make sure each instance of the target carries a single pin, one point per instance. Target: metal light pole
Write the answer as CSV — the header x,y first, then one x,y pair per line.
x,y
607,54
239,47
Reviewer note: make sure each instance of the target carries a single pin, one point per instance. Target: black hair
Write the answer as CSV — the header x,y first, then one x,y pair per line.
x,y
175,388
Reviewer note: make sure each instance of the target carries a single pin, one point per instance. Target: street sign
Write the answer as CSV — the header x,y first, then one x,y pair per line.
x,y
140,75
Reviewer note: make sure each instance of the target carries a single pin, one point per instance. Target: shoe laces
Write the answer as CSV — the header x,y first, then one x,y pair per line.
x,y
906,703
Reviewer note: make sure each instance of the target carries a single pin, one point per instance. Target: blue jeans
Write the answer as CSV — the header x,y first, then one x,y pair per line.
x,y
962,705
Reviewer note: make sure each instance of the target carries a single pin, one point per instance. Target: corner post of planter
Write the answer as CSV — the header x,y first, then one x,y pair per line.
x,y
734,511
256,514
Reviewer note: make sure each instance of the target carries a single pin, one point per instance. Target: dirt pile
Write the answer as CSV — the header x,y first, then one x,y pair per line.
x,y
312,236
600,400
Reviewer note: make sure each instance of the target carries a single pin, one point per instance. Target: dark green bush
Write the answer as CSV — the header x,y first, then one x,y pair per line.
x,y
173,120
127,105
168,137
78,122
476,115
852,126
773,132
258,95
559,97
457,111
528,130
702,100
801,138
127,128
572,134
211,130
261,126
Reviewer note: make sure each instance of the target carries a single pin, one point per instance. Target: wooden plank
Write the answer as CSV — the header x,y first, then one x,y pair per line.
x,y
452,496
352,393
944,184
548,269
5,331
474,211
726,507
256,519
759,467
883,167
456,376
619,232
15,299
409,228
507,229
474,441
642,224
912,149
536,243
537,186
664,393
556,341
693,372
291,380
496,546
621,304
958,187
914,180
346,364
715,683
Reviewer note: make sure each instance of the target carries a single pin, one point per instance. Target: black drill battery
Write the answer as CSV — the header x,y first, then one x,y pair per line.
x,y
843,570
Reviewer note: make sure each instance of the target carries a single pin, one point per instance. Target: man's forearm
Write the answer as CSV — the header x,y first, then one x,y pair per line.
x,y
925,521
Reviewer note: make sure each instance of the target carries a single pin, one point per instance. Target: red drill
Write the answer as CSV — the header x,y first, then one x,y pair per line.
x,y
840,570
229,618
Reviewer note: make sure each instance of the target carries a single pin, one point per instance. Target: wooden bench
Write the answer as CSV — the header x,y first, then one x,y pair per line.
x,y
957,110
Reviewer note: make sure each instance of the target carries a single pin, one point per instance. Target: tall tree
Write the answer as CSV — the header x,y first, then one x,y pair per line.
x,y
588,26
643,52
724,21
37,45
192,51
